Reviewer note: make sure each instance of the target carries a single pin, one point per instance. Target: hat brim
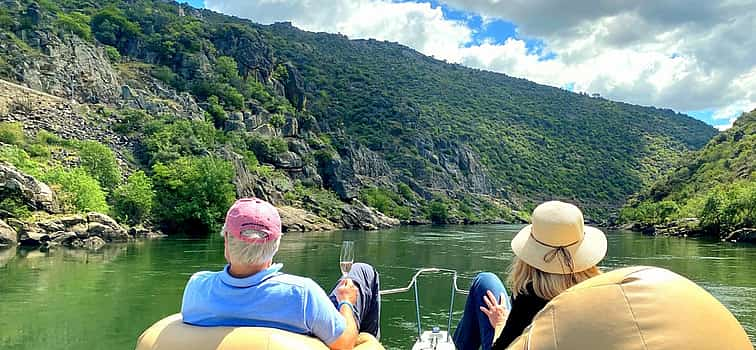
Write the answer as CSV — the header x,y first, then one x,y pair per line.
x,y
585,254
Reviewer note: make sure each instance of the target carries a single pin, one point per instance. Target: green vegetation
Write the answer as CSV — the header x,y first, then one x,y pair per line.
x,y
464,135
388,98
113,54
438,212
100,162
12,133
75,23
15,207
111,27
730,207
193,193
320,201
387,202
77,191
133,201
717,185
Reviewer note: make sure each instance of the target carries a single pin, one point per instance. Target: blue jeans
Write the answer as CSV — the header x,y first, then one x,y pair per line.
x,y
368,305
474,329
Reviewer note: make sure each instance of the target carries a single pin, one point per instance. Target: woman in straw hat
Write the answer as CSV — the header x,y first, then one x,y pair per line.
x,y
553,254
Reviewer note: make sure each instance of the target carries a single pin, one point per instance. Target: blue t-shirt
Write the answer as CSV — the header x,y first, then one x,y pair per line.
x,y
266,299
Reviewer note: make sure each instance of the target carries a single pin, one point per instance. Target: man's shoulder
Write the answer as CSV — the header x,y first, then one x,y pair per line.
x,y
202,277
298,281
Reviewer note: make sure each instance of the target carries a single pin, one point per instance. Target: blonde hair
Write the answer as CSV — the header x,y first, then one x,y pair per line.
x,y
545,285
241,252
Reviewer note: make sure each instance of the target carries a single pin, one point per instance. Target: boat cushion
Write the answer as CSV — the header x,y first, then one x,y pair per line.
x,y
644,308
171,333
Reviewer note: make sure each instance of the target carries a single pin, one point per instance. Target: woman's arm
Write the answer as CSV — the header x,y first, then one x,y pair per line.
x,y
524,308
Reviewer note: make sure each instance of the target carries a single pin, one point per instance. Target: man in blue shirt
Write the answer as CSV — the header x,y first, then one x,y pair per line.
x,y
251,290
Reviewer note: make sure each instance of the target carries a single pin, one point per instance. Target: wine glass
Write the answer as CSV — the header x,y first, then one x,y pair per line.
x,y
347,257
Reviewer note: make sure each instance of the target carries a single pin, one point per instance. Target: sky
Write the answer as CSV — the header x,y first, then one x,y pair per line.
x,y
693,56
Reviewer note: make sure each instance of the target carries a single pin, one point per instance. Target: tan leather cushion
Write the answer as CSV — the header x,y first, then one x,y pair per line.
x,y
171,333
634,308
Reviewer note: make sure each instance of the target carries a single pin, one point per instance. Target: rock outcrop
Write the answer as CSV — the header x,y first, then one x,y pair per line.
x,y
8,236
249,184
35,194
300,220
744,235
354,166
357,215
78,231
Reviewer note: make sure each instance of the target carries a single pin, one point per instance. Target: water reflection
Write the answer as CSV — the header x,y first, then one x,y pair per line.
x,y
65,299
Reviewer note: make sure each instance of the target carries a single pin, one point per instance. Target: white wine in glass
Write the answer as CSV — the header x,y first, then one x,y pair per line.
x,y
347,257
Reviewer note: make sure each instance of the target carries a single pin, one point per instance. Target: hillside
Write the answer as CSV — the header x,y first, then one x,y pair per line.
x,y
528,140
320,122
716,185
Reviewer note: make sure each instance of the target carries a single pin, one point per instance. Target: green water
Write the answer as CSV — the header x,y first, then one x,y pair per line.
x,y
68,299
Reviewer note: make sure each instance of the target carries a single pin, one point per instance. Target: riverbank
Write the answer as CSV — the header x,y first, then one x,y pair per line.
x,y
691,227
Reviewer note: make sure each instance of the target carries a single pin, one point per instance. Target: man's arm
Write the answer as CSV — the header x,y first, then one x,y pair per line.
x,y
346,292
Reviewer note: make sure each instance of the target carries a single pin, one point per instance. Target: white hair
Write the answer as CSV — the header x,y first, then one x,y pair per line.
x,y
242,252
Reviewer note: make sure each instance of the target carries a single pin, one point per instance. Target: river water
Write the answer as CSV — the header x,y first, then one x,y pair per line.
x,y
72,299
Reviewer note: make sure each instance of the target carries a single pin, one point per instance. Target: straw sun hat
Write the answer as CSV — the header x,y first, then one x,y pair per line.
x,y
558,242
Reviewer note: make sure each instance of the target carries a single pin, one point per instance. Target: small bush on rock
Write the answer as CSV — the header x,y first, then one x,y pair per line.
x,y
12,133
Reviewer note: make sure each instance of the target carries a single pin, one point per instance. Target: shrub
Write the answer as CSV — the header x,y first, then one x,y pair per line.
x,y
164,74
76,23
321,201
38,150
111,27
277,120
730,207
100,162
47,138
19,159
406,191
267,149
193,193
651,212
131,121
132,201
113,54
165,142
438,212
77,191
12,133
15,207
216,111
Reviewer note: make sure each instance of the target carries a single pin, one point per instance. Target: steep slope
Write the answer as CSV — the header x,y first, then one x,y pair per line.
x,y
717,184
531,140
408,134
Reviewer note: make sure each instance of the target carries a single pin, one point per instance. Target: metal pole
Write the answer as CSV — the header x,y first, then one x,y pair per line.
x,y
417,308
451,306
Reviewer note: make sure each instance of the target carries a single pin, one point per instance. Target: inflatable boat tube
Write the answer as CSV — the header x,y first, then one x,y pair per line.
x,y
171,333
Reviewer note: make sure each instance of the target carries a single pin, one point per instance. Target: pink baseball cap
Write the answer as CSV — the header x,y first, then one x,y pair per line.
x,y
253,220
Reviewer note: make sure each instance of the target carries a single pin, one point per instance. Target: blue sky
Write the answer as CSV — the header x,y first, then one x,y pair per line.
x,y
638,71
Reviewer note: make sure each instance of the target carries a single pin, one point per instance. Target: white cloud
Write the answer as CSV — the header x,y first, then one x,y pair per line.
x,y
686,56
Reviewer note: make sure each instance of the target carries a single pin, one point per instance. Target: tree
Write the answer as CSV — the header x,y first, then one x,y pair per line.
x,y
111,27
438,212
101,163
76,23
193,193
133,201
76,189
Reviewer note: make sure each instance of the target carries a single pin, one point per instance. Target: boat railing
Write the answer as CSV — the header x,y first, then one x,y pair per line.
x,y
413,285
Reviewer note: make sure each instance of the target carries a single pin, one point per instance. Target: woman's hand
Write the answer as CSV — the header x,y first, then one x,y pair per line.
x,y
497,312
